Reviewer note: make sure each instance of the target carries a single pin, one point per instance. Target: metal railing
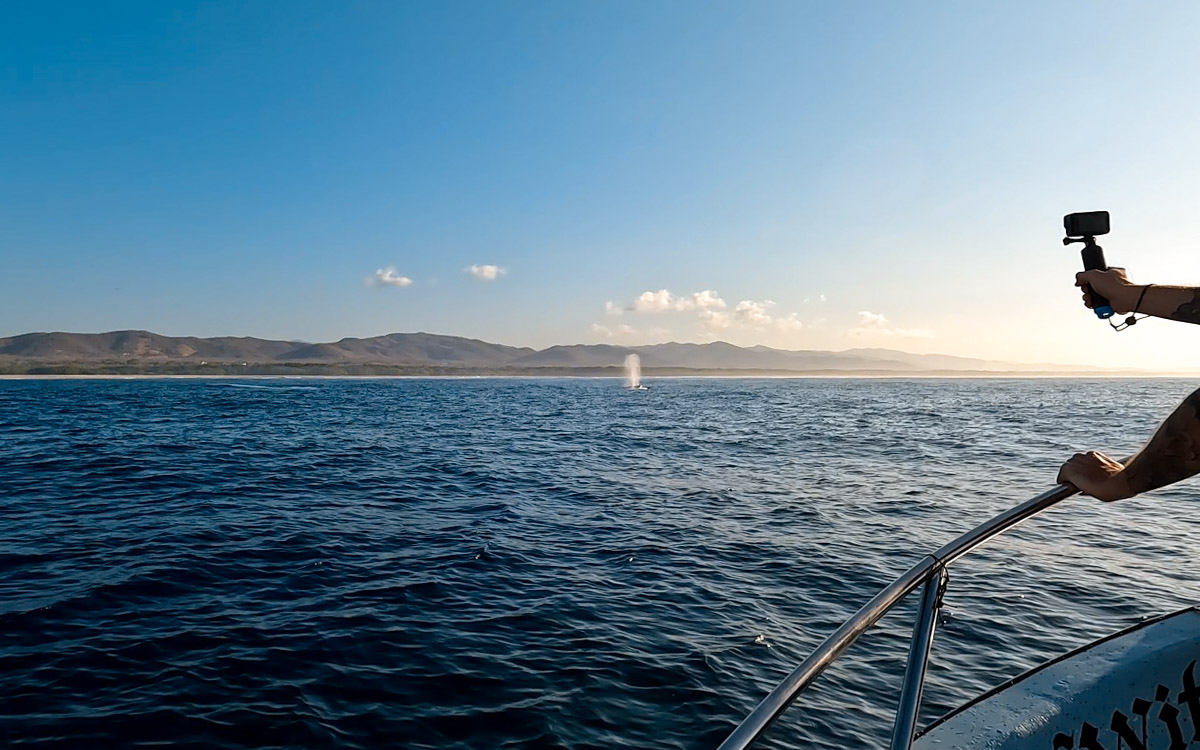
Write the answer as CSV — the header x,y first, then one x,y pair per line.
x,y
929,570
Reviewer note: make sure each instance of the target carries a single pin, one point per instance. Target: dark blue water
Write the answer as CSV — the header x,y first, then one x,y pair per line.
x,y
541,563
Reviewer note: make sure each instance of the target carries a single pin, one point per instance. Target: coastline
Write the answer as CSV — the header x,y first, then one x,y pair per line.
x,y
717,375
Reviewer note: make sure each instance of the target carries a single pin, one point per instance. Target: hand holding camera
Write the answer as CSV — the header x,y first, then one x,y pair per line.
x,y
1107,291
1085,227
1110,285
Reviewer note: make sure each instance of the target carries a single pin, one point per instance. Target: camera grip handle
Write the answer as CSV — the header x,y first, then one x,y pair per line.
x,y
1093,260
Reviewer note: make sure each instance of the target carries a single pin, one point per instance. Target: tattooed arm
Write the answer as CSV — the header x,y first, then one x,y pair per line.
x,y
1180,303
1171,455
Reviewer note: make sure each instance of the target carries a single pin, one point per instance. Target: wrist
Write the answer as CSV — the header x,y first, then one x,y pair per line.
x,y
1126,298
1118,488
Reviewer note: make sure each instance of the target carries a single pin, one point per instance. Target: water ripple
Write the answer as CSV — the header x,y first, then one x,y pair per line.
x,y
540,563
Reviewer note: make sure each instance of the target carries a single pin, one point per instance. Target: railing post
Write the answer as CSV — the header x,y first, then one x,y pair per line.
x,y
918,659
830,649
931,566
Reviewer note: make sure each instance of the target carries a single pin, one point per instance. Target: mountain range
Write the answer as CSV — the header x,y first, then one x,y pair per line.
x,y
131,350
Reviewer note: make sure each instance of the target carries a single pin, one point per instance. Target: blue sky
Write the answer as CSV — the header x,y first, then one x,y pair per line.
x,y
833,174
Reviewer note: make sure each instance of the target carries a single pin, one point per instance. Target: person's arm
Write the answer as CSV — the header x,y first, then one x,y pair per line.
x,y
1171,455
1180,303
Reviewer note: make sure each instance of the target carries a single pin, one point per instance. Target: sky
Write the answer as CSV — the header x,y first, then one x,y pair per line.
x,y
802,175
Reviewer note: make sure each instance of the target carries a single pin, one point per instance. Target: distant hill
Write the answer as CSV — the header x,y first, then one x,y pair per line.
x,y
398,348
432,352
93,346
409,349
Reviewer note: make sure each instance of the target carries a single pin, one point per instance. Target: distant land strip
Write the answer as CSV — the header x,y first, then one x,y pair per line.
x,y
317,370
143,353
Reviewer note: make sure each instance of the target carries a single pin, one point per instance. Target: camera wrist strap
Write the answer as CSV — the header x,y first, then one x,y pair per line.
x,y
1131,320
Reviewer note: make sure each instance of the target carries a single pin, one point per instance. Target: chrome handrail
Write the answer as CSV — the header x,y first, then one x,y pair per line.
x,y
932,567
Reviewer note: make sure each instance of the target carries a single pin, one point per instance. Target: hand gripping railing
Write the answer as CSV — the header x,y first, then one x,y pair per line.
x,y
931,571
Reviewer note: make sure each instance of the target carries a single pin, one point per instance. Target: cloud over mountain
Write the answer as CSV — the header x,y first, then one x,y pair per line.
x,y
876,324
664,301
711,311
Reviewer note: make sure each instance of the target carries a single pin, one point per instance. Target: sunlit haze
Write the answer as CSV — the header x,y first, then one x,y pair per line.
x,y
798,175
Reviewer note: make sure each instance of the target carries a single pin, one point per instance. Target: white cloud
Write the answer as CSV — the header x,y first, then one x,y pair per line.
x,y
750,314
611,333
708,300
711,310
876,324
613,309
790,323
388,277
822,297
715,320
753,313
485,273
661,301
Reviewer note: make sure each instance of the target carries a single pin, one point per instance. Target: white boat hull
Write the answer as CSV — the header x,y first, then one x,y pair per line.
x,y
1136,690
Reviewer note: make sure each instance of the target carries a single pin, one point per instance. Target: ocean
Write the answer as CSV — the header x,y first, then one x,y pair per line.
x,y
543,563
